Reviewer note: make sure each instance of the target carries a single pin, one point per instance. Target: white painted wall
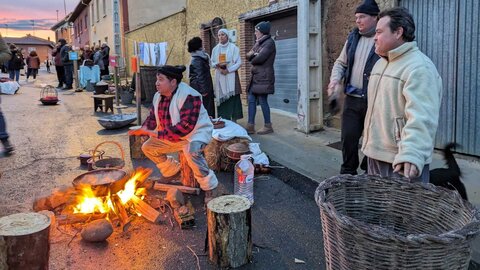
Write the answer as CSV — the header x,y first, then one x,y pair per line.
x,y
101,26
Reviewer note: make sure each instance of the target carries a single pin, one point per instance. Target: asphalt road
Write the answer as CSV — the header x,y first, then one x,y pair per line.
x,y
48,139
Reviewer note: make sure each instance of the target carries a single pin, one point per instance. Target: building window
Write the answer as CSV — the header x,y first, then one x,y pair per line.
x,y
98,10
81,26
104,8
91,12
86,22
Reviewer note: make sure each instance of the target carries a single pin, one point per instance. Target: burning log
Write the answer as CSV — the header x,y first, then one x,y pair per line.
x,y
175,198
58,197
65,219
229,231
183,189
145,210
121,213
24,241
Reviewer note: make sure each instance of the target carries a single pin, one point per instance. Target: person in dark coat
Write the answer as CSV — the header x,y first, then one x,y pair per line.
x,y
68,66
57,59
15,64
105,58
199,74
262,82
5,55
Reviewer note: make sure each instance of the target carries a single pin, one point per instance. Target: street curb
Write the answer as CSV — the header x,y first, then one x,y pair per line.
x,y
307,187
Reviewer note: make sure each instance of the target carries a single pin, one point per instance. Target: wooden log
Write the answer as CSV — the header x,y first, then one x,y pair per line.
x,y
229,231
121,213
187,178
136,143
65,219
175,198
24,241
185,215
183,189
145,210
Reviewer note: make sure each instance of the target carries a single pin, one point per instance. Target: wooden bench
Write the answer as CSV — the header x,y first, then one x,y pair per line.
x,y
104,102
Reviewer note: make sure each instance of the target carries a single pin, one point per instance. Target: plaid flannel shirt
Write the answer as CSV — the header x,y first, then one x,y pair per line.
x,y
188,118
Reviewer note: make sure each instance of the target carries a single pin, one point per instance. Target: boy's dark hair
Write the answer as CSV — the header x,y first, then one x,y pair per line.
x,y
194,44
400,17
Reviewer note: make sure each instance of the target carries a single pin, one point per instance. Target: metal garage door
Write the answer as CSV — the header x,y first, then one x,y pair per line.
x,y
285,97
448,32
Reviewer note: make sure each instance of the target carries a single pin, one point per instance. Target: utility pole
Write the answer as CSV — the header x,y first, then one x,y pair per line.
x,y
65,8
33,27
57,15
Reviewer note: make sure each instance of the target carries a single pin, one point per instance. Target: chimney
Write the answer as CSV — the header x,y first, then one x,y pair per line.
x,y
48,38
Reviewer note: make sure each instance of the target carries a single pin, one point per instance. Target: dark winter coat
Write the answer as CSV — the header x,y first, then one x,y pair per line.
x,y
16,62
199,74
57,57
106,56
64,54
262,57
33,62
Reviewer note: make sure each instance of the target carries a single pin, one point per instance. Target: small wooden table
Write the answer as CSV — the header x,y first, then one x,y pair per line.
x,y
104,102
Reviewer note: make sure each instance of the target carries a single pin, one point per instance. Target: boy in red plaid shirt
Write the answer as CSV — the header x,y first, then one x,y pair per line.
x,y
178,122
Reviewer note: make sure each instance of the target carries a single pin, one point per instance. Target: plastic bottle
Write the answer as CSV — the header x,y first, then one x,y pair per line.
x,y
244,173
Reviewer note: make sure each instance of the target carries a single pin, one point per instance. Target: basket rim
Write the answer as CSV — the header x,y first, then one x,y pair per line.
x,y
381,233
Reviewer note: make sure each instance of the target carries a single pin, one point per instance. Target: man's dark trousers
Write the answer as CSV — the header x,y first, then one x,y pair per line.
x,y
354,110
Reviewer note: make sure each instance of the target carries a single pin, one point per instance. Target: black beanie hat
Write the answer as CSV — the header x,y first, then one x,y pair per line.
x,y
174,72
263,27
194,44
369,7
62,41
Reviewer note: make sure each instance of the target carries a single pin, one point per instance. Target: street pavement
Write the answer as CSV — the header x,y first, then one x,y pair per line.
x,y
48,139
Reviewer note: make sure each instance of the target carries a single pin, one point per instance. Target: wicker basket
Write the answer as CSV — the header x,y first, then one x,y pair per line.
x,y
370,222
216,154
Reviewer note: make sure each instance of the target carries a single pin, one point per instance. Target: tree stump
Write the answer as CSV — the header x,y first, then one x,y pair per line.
x,y
24,241
229,231
187,179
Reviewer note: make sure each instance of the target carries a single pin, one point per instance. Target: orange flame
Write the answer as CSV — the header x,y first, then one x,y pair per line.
x,y
89,203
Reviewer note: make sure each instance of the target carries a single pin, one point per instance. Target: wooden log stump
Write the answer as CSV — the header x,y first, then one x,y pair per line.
x,y
24,241
229,231
187,179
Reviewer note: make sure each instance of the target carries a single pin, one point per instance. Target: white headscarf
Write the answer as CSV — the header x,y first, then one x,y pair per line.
x,y
225,84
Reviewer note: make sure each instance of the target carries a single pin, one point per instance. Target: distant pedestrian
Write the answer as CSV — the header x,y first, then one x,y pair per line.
x,y
58,62
5,55
226,61
67,66
262,82
404,97
106,59
98,59
48,64
33,64
15,64
199,74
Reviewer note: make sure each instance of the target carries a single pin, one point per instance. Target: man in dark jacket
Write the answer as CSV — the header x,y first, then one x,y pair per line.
x,y
5,55
68,66
105,58
354,66
16,63
199,74
57,59
262,82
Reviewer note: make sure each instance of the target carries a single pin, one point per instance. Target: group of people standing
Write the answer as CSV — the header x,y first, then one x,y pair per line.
x,y
64,66
17,62
392,95
223,93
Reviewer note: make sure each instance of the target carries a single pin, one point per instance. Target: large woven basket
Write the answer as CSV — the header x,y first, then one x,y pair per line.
x,y
371,222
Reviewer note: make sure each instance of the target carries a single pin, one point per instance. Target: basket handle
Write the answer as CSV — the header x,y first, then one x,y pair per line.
x,y
116,143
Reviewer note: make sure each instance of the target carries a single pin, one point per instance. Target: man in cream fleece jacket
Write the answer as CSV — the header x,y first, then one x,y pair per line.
x,y
404,100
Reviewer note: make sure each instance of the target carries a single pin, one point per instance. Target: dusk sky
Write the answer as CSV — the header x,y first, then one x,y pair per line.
x,y
16,16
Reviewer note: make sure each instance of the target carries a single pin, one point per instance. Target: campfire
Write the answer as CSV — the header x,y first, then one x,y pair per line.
x,y
119,204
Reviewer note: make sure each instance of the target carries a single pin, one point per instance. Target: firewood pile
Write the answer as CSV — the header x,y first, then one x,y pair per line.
x,y
97,215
